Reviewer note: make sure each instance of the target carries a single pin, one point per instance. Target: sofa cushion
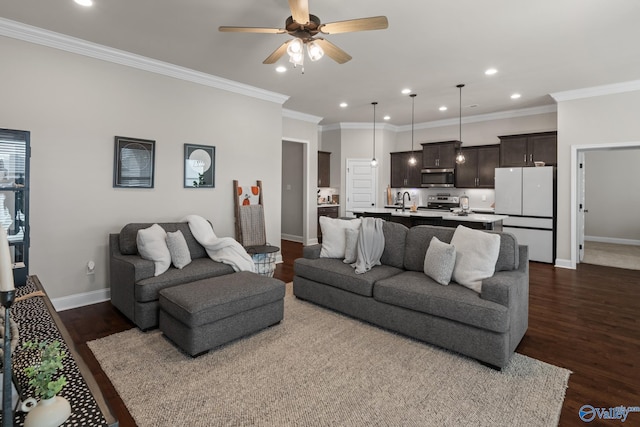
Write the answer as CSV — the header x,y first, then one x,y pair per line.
x,y
152,245
200,268
335,273
178,248
440,261
417,243
395,236
209,300
129,233
509,256
476,256
418,292
333,235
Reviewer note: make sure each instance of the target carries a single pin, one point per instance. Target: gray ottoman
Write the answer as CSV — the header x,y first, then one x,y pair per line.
x,y
208,313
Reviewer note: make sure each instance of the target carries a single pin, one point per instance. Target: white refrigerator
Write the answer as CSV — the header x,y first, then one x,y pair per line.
x,y
527,196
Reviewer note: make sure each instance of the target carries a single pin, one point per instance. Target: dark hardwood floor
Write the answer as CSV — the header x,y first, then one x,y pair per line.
x,y
585,320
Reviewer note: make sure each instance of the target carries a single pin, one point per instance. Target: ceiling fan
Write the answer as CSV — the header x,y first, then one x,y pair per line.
x,y
305,28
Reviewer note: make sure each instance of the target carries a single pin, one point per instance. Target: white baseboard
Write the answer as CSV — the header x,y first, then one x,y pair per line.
x,y
614,240
80,300
564,263
292,238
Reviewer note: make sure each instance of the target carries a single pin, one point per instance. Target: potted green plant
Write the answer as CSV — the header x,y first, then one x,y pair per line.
x,y
52,410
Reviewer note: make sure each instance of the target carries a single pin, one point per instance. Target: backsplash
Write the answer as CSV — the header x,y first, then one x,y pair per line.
x,y
479,198
328,195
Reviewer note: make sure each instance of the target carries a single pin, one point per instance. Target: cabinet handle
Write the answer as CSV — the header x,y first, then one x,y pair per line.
x,y
525,158
531,157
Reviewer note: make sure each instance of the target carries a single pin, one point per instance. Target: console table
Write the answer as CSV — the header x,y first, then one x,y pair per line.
x,y
38,321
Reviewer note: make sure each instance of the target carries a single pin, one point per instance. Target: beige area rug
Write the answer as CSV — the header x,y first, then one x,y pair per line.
x,y
612,255
320,368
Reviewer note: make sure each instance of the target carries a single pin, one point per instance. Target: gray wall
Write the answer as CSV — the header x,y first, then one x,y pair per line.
x,y
590,121
75,105
292,190
612,195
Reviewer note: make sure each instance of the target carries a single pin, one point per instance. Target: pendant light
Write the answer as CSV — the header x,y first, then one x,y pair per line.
x,y
374,162
460,159
412,158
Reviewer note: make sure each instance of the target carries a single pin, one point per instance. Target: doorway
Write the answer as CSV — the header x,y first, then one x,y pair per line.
x,y
293,191
362,182
604,204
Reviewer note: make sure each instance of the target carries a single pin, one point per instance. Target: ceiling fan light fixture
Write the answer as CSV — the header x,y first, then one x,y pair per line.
x,y
314,50
294,47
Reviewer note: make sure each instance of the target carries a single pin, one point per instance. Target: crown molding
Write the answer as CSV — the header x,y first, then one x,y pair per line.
x,y
28,33
447,122
594,91
358,126
510,114
296,115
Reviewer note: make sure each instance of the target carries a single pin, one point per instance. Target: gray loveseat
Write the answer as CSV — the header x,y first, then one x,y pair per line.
x,y
135,290
397,295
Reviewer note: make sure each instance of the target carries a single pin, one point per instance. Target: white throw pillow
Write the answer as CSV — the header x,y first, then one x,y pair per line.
x,y
351,245
179,250
476,255
333,235
152,245
440,261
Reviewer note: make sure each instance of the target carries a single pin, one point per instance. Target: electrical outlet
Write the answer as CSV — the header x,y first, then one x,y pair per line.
x,y
91,267
484,197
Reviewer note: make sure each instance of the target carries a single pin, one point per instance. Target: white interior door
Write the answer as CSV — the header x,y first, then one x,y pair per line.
x,y
362,184
581,204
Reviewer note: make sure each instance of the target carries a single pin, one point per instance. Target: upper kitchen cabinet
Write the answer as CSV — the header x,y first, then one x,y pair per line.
x,y
439,155
402,173
324,169
524,150
479,168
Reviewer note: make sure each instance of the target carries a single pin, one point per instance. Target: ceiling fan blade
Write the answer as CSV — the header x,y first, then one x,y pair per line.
x,y
251,30
333,51
362,24
299,10
277,54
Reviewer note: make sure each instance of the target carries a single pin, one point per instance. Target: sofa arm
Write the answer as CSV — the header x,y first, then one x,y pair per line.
x,y
312,252
509,287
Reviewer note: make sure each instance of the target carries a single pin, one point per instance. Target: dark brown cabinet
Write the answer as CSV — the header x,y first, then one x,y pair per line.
x,y
324,169
404,174
331,212
524,150
479,168
439,155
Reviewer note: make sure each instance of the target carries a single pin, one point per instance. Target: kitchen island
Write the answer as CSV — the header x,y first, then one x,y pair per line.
x,y
434,217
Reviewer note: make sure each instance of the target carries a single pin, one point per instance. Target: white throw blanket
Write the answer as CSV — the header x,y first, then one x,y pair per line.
x,y
222,249
370,244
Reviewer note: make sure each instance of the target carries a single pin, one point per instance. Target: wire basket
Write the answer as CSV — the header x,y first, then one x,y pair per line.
x,y
265,263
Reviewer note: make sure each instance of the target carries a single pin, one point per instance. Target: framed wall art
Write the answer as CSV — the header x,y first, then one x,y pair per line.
x,y
134,162
199,166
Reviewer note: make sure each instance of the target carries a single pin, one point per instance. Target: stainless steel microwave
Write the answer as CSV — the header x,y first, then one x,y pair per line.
x,y
437,177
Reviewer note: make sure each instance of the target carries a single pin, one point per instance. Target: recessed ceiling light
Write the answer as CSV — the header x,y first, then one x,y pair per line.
x,y
443,108
406,91
515,96
86,3
344,105
281,69
387,117
491,71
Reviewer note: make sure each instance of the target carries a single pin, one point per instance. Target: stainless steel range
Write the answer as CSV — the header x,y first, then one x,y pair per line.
x,y
442,202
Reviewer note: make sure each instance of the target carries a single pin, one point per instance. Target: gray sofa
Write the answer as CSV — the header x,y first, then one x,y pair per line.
x,y
135,290
397,295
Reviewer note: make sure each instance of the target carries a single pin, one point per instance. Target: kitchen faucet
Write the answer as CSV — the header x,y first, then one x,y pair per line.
x,y
408,195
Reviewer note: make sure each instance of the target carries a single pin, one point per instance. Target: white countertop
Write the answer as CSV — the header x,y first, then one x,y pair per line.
x,y
328,205
473,217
